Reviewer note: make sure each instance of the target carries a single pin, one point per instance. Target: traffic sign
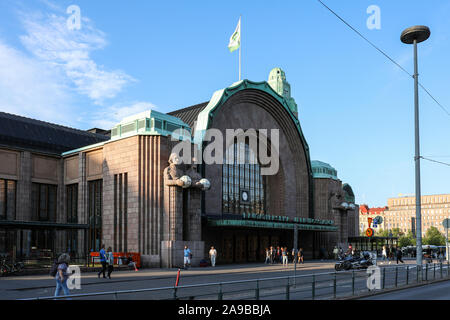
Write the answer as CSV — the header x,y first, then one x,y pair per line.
x,y
379,219
369,232
446,223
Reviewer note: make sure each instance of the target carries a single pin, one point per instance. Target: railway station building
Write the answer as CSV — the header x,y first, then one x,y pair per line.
x,y
69,190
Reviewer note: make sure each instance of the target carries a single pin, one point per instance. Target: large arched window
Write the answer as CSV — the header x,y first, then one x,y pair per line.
x,y
243,187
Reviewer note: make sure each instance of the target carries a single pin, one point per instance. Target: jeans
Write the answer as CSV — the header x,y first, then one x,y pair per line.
x,y
61,285
213,260
285,260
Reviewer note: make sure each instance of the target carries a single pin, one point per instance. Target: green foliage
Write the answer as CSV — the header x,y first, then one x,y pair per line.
x,y
407,240
434,237
385,233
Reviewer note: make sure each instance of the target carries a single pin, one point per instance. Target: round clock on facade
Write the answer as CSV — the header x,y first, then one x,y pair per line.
x,y
244,195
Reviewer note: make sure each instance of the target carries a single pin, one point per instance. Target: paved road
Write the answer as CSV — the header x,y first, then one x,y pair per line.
x,y
436,291
38,286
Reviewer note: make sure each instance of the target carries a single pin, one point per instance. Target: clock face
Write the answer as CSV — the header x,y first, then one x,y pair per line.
x,y
244,195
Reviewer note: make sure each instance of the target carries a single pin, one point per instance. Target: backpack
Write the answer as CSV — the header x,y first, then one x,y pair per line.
x,y
54,269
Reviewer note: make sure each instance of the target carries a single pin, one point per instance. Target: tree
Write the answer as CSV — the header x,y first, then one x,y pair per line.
x,y
407,240
382,233
434,237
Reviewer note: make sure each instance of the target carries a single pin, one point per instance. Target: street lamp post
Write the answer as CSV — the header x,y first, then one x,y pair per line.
x,y
415,35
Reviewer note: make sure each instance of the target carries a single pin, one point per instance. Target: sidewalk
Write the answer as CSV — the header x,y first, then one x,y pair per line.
x,y
26,282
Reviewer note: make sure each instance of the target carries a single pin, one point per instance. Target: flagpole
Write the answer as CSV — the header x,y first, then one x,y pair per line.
x,y
240,37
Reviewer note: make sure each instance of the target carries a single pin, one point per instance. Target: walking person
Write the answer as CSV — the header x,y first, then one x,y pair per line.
x,y
278,258
110,261
187,257
272,254
284,255
102,254
300,255
267,256
384,253
62,275
212,256
335,252
388,254
399,255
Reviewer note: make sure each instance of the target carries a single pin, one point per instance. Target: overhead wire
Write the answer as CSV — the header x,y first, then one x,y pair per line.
x,y
386,55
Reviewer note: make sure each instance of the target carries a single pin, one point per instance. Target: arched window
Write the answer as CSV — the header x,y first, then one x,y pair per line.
x,y
243,187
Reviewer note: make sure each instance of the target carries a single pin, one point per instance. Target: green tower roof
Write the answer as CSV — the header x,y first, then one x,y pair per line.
x,y
323,170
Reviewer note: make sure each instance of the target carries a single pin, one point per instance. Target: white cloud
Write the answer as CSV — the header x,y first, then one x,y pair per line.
x,y
30,89
50,40
52,80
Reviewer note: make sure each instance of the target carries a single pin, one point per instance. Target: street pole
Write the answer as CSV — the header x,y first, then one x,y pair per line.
x,y
295,251
417,160
415,35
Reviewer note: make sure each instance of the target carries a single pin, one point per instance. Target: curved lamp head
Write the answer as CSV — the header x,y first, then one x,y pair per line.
x,y
418,33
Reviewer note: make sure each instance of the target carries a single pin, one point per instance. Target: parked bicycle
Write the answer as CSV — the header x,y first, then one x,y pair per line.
x,y
6,268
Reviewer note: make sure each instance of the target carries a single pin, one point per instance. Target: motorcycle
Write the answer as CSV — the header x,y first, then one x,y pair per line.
x,y
344,262
350,262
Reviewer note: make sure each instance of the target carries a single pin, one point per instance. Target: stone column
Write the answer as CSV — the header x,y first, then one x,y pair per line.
x,y
194,215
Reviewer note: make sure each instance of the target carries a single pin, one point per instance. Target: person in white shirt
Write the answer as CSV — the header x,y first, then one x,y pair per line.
x,y
212,256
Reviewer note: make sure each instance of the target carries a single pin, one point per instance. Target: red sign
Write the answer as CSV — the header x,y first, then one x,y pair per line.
x,y
369,232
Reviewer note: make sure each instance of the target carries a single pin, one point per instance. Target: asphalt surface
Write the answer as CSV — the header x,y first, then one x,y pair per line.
x,y
314,278
435,291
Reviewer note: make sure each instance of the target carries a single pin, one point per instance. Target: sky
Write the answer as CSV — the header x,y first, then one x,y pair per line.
x,y
356,108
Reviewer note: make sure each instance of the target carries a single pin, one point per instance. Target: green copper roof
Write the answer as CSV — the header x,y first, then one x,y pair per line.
x,y
349,195
150,122
323,170
277,80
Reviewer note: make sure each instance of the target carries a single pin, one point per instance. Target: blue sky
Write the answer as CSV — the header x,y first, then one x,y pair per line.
x,y
355,107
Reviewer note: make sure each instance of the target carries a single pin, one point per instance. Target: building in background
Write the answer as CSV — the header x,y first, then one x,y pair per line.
x,y
365,212
402,212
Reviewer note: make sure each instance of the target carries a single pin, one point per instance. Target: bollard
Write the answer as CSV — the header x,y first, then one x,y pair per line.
x,y
220,295
174,293
426,272
441,269
178,278
313,284
257,290
384,276
334,286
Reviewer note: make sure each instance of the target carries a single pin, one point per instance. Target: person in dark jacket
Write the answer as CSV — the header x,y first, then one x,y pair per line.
x,y
399,255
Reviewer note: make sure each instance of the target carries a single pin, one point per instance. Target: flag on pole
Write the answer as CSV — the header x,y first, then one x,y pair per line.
x,y
235,39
